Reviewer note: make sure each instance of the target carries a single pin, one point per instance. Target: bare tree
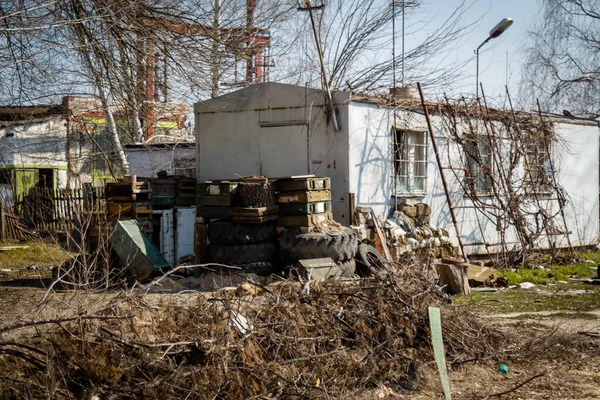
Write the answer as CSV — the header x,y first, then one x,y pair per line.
x,y
563,58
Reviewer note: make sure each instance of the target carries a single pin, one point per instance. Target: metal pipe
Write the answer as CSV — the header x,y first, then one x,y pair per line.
x,y
439,163
336,125
477,71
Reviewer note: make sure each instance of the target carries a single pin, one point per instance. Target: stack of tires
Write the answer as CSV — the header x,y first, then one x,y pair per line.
x,y
340,245
251,247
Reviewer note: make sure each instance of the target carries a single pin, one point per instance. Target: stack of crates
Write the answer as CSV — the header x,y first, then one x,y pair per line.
x,y
214,199
130,199
163,193
304,201
185,191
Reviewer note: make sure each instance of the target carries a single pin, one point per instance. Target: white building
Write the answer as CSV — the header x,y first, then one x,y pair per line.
x,y
380,158
147,160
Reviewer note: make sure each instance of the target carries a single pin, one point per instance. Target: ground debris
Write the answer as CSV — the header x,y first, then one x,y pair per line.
x,y
340,339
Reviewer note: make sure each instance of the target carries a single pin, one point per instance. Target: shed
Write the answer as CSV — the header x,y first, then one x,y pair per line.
x,y
512,178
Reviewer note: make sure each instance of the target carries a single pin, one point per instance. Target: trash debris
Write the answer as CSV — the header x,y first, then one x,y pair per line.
x,y
503,368
525,285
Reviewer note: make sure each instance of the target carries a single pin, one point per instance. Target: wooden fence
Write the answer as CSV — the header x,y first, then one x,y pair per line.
x,y
47,209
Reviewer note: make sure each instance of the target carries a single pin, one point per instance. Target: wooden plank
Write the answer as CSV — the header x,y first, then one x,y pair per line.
x,y
254,211
386,250
7,248
304,196
352,209
200,240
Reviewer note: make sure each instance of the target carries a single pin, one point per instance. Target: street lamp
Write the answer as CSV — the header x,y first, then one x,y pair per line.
x,y
494,33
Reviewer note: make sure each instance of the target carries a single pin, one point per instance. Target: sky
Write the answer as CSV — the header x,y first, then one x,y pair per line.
x,y
494,73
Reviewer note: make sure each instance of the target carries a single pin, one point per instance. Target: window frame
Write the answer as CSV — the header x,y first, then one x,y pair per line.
x,y
476,180
538,172
405,167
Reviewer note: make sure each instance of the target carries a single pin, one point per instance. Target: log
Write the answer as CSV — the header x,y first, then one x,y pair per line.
x,y
454,277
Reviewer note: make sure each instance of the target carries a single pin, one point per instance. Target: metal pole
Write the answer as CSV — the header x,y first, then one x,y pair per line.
x,y
477,71
336,125
403,11
439,163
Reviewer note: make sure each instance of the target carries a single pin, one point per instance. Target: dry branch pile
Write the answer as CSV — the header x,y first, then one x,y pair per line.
x,y
340,339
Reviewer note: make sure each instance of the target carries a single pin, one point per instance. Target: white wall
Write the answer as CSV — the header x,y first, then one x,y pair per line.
x,y
371,169
35,144
148,161
274,130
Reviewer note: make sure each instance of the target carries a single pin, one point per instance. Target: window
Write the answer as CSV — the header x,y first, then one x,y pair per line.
x,y
5,176
538,165
410,162
478,160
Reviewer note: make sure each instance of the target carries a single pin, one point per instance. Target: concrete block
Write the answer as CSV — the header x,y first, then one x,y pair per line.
x,y
320,269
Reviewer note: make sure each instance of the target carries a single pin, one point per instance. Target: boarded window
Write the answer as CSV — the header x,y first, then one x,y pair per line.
x,y
478,160
410,162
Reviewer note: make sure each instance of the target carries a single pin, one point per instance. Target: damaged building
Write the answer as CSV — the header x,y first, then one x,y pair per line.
x,y
514,180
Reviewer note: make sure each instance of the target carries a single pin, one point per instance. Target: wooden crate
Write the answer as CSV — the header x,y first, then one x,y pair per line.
x,y
220,200
254,219
308,196
300,184
164,187
216,188
254,211
163,202
318,207
304,220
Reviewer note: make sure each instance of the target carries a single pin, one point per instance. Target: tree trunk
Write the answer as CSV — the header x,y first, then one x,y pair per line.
x,y
454,277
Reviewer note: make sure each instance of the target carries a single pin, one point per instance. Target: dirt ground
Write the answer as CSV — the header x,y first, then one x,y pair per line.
x,y
564,363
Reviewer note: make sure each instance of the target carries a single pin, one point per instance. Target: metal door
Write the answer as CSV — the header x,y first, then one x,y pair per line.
x,y
184,231
284,150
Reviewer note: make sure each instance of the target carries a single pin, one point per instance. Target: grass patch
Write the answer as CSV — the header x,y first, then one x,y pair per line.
x,y
510,300
38,253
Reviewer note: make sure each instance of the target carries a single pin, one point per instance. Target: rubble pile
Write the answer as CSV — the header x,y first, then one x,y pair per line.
x,y
328,340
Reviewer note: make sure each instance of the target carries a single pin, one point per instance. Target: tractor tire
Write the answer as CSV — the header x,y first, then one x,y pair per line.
x,y
243,253
370,262
229,233
339,246
348,268
259,268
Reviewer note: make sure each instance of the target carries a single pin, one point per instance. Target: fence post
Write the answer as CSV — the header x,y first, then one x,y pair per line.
x,y
2,222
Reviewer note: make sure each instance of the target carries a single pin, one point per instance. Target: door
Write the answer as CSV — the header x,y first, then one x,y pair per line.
x,y
25,179
284,150
167,237
184,232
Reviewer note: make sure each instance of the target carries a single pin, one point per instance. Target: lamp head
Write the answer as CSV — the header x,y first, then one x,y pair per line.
x,y
501,27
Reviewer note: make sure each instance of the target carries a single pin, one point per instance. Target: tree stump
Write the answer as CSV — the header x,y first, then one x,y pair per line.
x,y
454,277
256,192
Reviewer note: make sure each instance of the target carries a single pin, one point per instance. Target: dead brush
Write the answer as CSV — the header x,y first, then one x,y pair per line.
x,y
340,339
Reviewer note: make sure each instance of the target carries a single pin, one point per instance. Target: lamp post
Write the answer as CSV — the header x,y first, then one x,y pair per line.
x,y
494,33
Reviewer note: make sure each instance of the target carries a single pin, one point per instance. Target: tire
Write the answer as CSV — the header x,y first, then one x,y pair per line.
x,y
259,268
371,262
242,254
228,233
339,246
348,268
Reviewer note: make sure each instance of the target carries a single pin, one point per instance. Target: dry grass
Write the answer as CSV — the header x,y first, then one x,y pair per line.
x,y
339,339
40,254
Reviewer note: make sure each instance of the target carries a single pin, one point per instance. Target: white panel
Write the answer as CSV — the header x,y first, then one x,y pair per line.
x,y
167,238
185,218
284,150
